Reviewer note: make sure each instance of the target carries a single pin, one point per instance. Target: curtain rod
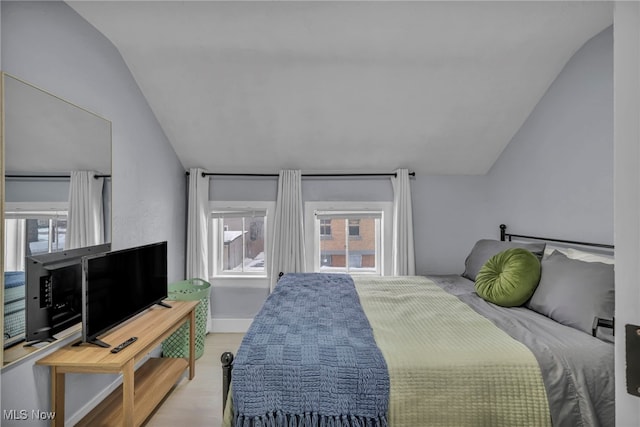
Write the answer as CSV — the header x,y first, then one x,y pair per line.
x,y
305,175
62,176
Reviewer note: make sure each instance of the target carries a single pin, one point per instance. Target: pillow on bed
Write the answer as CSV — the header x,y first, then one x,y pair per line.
x,y
573,292
549,249
589,256
509,278
485,249
573,253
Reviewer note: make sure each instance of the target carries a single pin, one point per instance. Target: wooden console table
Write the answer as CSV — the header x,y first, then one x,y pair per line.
x,y
141,390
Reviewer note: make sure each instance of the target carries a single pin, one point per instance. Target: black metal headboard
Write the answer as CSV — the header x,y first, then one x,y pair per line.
x,y
504,236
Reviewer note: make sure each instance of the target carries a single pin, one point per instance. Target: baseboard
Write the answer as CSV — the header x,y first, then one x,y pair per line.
x,y
231,325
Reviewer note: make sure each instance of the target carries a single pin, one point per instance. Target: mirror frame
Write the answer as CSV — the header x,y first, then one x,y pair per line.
x,y
74,330
2,197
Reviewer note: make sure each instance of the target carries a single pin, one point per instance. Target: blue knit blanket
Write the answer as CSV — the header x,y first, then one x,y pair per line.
x,y
309,359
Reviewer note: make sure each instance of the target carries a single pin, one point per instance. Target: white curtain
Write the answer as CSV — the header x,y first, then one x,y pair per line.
x,y
404,263
85,221
287,254
198,230
15,242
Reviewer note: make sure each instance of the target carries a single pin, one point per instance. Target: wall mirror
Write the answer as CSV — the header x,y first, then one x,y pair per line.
x,y
48,143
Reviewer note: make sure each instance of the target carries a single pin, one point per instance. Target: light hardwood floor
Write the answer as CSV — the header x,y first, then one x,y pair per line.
x,y
198,402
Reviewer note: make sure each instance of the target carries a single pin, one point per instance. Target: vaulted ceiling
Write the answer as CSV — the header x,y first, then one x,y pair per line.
x,y
437,87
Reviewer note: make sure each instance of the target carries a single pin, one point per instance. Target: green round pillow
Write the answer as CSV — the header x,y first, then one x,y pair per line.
x,y
509,278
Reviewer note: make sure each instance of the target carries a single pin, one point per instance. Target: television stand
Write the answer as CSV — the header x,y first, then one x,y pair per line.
x,y
142,389
164,304
94,341
32,343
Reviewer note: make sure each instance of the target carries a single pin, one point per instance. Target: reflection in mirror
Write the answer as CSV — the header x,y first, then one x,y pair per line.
x,y
57,164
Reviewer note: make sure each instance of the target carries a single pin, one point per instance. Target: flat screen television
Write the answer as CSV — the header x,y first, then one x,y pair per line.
x,y
53,291
118,285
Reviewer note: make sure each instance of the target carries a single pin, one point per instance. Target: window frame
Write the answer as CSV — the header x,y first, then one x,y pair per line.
x,y
313,238
215,245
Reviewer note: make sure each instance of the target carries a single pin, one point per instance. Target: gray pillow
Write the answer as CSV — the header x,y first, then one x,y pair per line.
x,y
573,292
484,249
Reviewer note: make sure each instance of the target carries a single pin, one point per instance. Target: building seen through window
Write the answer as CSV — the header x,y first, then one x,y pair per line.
x,y
243,240
239,242
349,244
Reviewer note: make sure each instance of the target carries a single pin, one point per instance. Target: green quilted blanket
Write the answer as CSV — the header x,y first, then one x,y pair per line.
x,y
448,365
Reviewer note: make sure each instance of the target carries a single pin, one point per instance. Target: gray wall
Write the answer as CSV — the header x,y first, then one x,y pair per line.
x,y
50,45
450,213
36,190
313,189
555,177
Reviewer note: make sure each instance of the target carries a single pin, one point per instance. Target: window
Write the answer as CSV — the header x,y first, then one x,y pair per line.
x,y
343,253
354,228
239,241
325,228
32,230
357,237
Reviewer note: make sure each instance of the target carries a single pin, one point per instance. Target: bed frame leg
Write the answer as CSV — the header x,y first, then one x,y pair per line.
x,y
227,360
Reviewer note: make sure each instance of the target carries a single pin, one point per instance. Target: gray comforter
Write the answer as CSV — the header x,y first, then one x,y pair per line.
x,y
572,363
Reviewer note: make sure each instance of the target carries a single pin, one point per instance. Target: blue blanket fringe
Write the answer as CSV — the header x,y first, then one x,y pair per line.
x,y
279,419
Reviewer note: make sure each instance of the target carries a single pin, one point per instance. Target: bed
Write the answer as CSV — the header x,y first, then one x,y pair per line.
x,y
14,308
336,350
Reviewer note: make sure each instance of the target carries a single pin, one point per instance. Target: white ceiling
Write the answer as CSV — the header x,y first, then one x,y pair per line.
x,y
437,87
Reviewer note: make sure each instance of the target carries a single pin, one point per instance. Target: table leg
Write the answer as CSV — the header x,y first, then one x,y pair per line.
x,y
127,393
57,397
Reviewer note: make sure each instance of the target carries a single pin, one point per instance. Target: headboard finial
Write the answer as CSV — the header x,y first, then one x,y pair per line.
x,y
503,229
